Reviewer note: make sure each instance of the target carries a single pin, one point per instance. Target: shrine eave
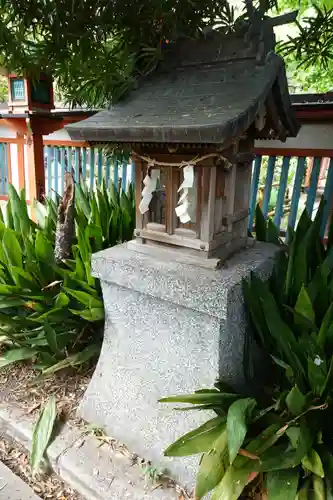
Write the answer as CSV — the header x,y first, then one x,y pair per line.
x,y
209,101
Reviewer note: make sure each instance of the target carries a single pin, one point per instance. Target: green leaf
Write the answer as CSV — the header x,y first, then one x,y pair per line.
x,y
318,488
85,298
301,439
22,278
20,211
73,360
15,355
295,401
199,440
286,345
44,249
282,485
9,216
233,483
212,466
260,225
94,314
251,294
317,373
202,398
42,433
325,326
285,366
41,213
61,301
303,305
313,463
238,415
51,337
12,248
82,201
273,235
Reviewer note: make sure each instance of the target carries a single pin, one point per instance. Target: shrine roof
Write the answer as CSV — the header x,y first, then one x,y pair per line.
x,y
205,91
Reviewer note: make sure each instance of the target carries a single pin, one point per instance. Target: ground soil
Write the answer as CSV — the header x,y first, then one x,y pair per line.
x,y
17,386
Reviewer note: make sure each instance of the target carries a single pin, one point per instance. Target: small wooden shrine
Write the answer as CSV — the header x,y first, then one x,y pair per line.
x,y
191,128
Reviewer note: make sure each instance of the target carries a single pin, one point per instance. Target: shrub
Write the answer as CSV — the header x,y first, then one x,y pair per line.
x,y
279,444
53,313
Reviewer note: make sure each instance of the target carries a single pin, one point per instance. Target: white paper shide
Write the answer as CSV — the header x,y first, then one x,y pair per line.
x,y
183,202
150,182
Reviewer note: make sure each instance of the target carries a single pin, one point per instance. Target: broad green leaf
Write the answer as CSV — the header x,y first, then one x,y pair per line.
x,y
82,201
303,493
41,213
12,248
94,314
42,433
260,225
238,416
19,211
300,269
282,485
15,355
199,440
319,491
279,457
233,483
287,347
212,466
303,305
22,278
295,401
301,439
313,463
44,249
84,298
202,398
272,234
251,295
325,326
73,360
329,379
51,337
61,300
285,366
317,374
9,216
6,302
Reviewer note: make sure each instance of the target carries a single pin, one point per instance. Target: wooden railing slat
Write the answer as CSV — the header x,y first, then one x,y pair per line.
x,y
268,184
311,196
282,191
254,190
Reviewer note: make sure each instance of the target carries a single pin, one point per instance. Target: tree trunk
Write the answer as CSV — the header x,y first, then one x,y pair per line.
x,y
65,222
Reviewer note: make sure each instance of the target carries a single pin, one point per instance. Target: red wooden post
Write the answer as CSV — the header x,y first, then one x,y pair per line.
x,y
36,171
20,160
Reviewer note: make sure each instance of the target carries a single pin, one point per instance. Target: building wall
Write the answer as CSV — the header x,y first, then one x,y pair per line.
x,y
311,136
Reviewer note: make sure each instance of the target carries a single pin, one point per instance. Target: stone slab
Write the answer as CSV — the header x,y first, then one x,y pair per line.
x,y
96,472
13,488
171,327
100,475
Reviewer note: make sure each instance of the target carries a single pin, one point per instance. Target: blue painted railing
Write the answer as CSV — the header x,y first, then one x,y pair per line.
x,y
4,173
285,185
87,164
282,185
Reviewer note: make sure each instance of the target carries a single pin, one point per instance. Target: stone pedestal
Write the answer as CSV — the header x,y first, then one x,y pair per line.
x,y
173,325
